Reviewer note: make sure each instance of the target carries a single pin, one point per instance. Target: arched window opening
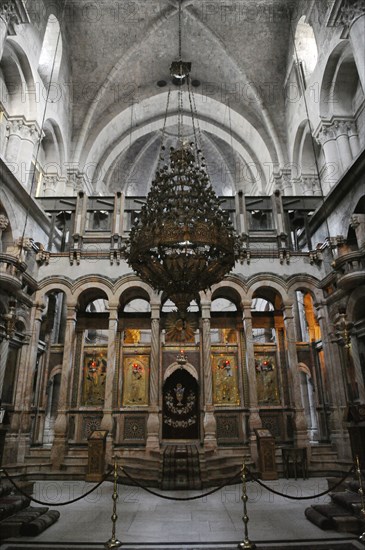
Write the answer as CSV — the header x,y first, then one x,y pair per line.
x,y
306,47
51,53
137,329
96,313
224,321
260,306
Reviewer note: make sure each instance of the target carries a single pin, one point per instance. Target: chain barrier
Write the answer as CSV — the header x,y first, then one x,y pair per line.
x,y
139,484
255,478
58,503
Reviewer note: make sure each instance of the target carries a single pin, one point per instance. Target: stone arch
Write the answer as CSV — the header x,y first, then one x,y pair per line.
x,y
230,290
340,83
174,366
107,142
307,154
270,289
18,82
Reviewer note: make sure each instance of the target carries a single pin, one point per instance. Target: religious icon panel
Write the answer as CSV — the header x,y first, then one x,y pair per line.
x,y
266,379
225,379
93,377
135,380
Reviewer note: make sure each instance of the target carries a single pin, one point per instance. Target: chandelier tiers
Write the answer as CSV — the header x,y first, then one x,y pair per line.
x,y
182,242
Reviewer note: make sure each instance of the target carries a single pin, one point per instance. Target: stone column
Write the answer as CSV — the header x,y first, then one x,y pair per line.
x,y
300,422
22,137
326,137
353,138
254,420
335,389
153,422
107,420
59,446
341,129
28,364
210,425
4,222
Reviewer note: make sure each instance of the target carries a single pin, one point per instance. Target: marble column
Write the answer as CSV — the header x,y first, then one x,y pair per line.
x,y
335,385
254,420
300,422
153,421
59,446
107,420
210,425
26,384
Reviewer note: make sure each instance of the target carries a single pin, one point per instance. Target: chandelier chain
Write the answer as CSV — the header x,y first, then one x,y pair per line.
x,y
196,141
161,158
180,33
200,137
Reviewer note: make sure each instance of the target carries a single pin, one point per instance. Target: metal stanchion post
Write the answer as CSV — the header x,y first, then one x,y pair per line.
x,y
361,493
246,544
113,542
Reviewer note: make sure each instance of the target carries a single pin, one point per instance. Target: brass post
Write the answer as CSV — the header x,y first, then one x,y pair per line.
x,y
361,493
113,542
246,544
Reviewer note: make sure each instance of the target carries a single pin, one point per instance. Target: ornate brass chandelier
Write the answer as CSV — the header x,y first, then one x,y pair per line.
x,y
182,242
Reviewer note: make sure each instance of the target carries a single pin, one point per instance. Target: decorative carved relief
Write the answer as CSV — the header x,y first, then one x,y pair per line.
x,y
272,423
90,423
135,427
227,426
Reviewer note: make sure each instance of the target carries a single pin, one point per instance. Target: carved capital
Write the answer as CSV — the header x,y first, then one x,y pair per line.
x,y
77,180
325,134
4,222
310,184
28,130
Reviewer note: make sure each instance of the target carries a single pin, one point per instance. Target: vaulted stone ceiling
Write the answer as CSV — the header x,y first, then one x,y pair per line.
x,y
119,51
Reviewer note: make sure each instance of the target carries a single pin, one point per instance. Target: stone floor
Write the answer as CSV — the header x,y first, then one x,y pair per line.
x,y
144,518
